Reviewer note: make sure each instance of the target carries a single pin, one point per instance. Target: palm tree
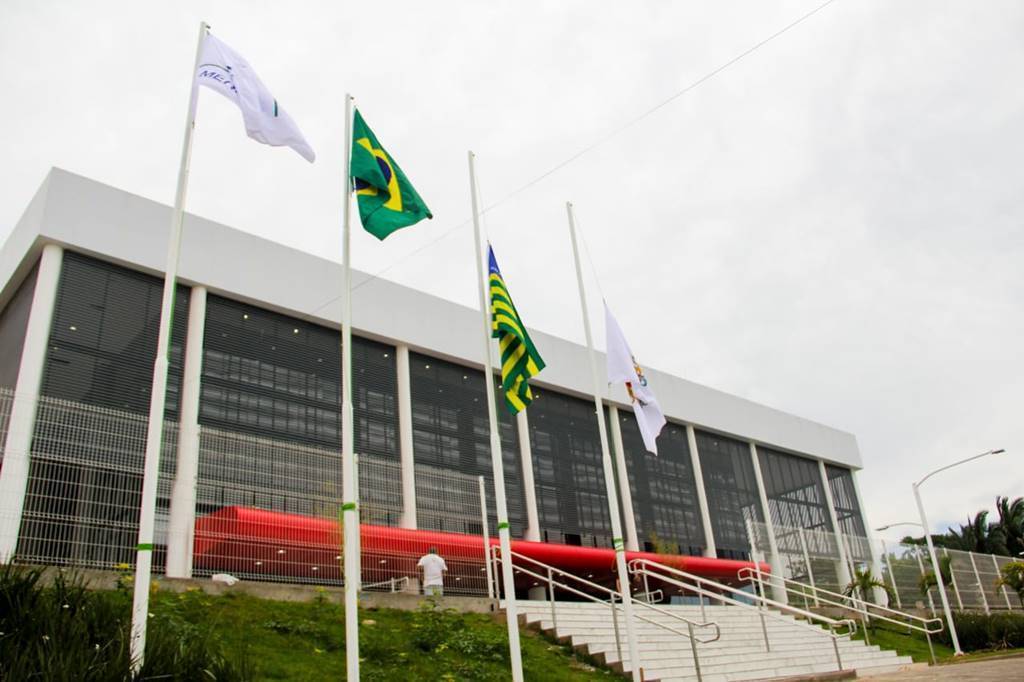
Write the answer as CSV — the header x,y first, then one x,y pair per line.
x,y
1011,521
864,582
927,580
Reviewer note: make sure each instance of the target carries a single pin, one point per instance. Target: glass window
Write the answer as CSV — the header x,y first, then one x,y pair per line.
x,y
731,490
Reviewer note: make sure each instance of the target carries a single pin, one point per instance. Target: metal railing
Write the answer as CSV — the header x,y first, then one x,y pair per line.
x,y
586,589
704,587
864,609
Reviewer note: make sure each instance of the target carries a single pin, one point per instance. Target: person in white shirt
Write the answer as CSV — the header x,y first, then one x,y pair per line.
x,y
434,569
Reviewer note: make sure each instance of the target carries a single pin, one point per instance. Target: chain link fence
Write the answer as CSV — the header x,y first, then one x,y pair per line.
x,y
265,509
813,557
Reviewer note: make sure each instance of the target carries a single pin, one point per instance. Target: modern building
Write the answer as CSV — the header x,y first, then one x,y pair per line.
x,y
253,406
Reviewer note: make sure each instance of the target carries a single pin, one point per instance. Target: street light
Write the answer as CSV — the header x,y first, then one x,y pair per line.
x,y
899,523
957,651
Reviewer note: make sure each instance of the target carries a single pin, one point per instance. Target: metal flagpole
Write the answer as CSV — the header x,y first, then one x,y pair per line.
x,y
350,486
609,482
158,396
504,542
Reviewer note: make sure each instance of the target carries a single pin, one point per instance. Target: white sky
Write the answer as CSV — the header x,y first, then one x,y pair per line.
x,y
832,226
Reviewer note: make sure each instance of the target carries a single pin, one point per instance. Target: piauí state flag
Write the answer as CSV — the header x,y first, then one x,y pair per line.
x,y
622,366
519,357
387,200
224,70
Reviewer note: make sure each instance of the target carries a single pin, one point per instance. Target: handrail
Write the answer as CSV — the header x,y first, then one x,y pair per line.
x,y
391,582
611,601
648,568
850,603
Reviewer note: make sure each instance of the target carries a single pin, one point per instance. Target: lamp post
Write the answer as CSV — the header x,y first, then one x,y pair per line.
x,y
957,651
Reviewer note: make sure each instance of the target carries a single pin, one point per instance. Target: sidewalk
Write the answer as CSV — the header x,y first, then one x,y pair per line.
x,y
975,671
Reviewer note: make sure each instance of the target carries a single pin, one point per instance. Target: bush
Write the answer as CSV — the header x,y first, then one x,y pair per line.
x,y
67,632
977,631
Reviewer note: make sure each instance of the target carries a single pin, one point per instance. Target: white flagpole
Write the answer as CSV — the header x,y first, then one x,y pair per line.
x,y
350,486
158,396
515,655
606,462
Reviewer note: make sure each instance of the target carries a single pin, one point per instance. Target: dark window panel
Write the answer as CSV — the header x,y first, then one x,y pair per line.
x,y
451,430
840,482
731,491
13,326
567,469
796,498
663,487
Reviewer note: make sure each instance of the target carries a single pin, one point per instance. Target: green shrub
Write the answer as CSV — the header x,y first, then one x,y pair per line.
x,y
67,632
977,631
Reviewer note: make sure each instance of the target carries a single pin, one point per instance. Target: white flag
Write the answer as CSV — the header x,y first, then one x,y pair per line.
x,y
622,366
224,70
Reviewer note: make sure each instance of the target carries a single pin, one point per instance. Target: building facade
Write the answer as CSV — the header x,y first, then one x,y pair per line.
x,y
253,407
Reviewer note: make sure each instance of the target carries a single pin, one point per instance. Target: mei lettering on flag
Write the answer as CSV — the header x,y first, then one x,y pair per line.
x,y
622,366
225,71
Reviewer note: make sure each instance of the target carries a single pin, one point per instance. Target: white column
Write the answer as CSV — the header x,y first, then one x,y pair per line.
x,y
405,440
876,561
625,493
14,474
710,550
842,572
532,531
181,527
778,587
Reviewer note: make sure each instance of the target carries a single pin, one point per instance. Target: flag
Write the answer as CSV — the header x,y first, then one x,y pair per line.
x,y
224,70
622,366
387,200
519,358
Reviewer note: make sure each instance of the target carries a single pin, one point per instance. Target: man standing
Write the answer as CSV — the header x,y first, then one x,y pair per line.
x,y
434,569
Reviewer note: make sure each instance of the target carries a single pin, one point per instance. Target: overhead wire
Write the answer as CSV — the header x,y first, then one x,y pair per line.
x,y
589,148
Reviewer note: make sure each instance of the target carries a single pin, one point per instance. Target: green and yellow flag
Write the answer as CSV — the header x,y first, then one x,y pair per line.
x,y
519,358
387,200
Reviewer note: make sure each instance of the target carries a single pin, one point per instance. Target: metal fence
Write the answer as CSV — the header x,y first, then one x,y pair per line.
x,y
265,509
813,557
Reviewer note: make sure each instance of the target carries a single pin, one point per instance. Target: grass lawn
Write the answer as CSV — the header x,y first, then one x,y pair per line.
x,y
916,646
305,641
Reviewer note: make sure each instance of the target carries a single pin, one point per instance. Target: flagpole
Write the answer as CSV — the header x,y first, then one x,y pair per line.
x,y
158,395
350,487
515,655
606,461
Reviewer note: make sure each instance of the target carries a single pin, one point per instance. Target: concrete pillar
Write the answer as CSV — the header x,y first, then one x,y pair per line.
x,y
779,592
21,425
405,440
532,531
625,492
181,526
876,561
842,571
710,550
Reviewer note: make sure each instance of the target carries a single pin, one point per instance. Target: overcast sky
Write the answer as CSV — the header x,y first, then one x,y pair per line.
x,y
833,226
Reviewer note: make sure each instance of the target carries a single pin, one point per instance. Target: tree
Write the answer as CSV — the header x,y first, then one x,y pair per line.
x,y
927,580
1013,577
1011,521
864,582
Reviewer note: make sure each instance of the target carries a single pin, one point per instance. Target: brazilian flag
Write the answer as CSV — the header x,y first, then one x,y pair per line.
x,y
387,200
519,358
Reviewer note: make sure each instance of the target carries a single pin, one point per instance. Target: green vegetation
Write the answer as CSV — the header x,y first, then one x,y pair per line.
x,y
979,636
1004,537
977,631
1012,576
66,632
864,583
914,645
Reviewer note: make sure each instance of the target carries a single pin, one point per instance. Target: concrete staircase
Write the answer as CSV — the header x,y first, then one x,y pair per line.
x,y
739,654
